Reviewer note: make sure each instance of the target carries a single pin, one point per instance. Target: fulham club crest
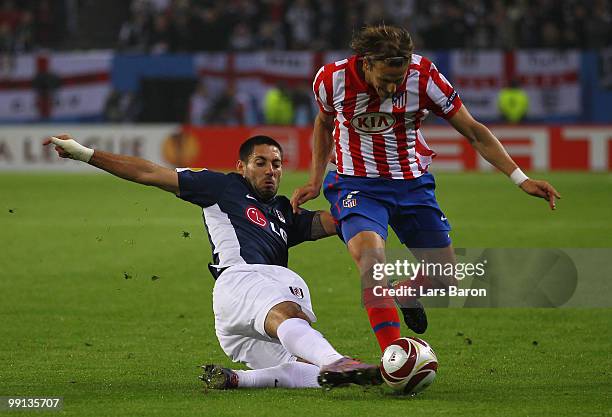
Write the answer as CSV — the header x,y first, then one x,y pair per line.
x,y
297,292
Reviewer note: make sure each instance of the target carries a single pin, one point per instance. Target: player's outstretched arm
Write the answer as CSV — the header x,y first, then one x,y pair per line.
x,y
487,145
323,225
127,167
321,153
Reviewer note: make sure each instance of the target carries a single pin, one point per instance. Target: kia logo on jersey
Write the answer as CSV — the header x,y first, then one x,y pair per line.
x,y
256,216
375,122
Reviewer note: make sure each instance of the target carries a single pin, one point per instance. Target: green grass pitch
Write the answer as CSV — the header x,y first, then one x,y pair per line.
x,y
105,299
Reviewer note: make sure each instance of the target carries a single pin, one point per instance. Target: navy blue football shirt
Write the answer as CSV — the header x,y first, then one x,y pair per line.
x,y
241,228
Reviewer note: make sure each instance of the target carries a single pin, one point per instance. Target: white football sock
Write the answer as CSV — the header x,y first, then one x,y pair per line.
x,y
304,342
287,375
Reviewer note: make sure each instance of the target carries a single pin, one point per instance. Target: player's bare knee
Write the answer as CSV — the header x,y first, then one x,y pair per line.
x,y
281,312
367,249
438,256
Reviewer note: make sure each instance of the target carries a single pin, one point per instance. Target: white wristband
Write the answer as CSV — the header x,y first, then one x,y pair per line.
x,y
75,149
518,177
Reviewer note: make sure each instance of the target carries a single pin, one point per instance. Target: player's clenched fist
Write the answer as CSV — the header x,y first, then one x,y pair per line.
x,y
66,147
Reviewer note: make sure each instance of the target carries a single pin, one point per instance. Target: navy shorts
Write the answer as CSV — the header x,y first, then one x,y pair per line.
x,y
372,204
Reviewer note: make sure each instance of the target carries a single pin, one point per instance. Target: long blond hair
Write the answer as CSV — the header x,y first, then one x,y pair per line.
x,y
382,42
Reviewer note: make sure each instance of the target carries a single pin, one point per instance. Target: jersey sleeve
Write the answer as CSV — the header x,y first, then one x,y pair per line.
x,y
442,97
200,186
322,89
301,227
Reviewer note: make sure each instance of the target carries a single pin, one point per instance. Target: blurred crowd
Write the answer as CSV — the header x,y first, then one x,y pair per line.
x,y
174,26
31,24
281,105
162,26
158,26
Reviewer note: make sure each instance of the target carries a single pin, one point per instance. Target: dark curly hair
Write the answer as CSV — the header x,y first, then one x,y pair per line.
x,y
390,44
246,149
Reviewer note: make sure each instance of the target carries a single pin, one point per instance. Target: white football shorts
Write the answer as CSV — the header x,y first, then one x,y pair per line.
x,y
242,297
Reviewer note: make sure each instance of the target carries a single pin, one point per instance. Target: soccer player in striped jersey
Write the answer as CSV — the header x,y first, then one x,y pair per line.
x,y
371,106
263,312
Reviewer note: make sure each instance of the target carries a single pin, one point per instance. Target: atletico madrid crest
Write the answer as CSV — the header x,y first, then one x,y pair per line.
x,y
350,201
399,99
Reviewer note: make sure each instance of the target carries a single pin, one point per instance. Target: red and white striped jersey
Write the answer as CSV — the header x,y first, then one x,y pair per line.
x,y
382,139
